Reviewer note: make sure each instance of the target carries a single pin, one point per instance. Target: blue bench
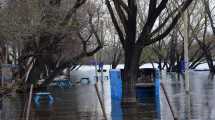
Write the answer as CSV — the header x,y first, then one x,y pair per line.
x,y
38,95
63,83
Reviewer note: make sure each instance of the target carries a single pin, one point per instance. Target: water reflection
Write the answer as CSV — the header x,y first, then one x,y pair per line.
x,y
81,103
10,108
198,104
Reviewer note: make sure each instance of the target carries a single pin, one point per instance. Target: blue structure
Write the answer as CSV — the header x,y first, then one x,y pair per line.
x,y
182,65
143,93
38,95
63,83
116,94
101,66
116,84
157,93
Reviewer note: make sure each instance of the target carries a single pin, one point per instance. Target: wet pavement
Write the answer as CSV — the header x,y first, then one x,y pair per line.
x,y
81,103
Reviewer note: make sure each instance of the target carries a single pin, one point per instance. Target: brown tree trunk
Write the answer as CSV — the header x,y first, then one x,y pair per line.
x,y
130,75
210,61
172,57
132,58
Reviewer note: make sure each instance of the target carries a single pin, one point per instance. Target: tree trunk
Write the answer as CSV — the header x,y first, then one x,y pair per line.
x,y
132,58
114,65
210,61
173,45
130,75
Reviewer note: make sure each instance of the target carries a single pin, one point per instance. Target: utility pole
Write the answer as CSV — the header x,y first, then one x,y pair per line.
x,y
186,56
186,62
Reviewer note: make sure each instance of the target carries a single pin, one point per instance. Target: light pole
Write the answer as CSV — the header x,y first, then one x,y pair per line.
x,y
186,55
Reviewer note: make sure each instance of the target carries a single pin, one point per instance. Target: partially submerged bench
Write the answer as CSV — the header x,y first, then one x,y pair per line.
x,y
38,95
63,83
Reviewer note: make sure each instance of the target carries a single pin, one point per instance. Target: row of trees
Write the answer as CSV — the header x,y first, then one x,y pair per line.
x,y
168,50
45,37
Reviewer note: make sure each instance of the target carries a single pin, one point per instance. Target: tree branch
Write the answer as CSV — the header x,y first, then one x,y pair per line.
x,y
115,23
73,10
207,9
171,26
121,14
164,22
152,17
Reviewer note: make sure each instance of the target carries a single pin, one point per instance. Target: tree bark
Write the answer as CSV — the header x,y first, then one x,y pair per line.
x,y
173,46
130,72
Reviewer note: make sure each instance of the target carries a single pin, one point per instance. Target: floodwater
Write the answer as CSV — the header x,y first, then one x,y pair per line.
x,y
199,104
80,102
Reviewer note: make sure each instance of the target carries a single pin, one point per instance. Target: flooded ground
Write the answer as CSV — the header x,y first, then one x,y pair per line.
x,y
81,103
199,104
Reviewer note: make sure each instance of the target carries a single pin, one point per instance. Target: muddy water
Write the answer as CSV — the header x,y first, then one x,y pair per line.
x,y
81,103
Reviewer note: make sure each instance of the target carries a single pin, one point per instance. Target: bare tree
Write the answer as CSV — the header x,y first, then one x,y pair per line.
x,y
53,34
133,41
206,46
209,14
